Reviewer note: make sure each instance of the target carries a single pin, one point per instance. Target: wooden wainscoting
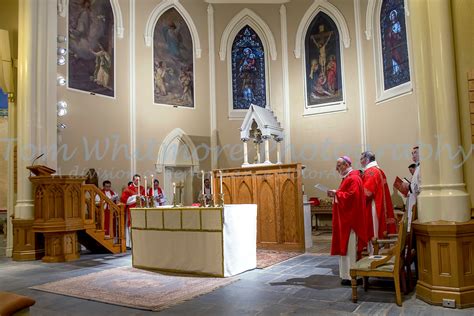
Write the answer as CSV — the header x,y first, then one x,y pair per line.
x,y
277,191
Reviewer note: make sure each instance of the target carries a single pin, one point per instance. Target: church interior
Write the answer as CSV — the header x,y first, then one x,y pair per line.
x,y
217,126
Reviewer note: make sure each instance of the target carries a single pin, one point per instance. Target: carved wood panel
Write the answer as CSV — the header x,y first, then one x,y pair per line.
x,y
276,190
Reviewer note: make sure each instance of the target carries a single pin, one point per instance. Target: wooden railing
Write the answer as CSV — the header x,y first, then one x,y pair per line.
x,y
94,202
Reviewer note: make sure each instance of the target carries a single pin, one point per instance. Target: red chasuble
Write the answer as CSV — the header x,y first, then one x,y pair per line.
x,y
107,211
376,189
347,213
128,192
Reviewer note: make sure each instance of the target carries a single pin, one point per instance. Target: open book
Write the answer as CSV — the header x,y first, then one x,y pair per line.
x,y
399,185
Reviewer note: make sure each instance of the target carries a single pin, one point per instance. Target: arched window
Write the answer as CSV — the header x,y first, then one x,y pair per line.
x,y
91,62
173,61
323,63
393,35
248,70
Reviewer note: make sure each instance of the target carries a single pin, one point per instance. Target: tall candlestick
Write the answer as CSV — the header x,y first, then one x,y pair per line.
x,y
174,188
212,183
220,176
138,188
202,182
145,186
152,185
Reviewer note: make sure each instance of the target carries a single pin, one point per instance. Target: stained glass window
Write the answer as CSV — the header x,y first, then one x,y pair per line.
x,y
396,68
248,70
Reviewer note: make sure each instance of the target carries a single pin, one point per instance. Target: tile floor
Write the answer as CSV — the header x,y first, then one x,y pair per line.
x,y
304,285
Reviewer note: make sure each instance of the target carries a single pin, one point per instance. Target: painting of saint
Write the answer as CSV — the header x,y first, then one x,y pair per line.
x,y
322,60
248,70
173,61
91,46
396,68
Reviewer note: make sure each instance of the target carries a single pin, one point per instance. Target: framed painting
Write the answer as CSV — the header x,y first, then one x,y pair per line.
x,y
91,47
323,62
173,61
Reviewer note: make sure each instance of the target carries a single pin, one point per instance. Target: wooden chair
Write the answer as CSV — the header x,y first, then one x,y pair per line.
x,y
383,266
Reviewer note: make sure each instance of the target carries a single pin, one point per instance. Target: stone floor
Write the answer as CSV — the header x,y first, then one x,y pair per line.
x,y
304,285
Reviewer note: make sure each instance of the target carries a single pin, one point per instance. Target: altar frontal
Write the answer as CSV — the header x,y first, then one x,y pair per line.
x,y
216,241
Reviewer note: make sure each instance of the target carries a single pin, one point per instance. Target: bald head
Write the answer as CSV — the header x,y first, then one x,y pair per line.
x,y
342,165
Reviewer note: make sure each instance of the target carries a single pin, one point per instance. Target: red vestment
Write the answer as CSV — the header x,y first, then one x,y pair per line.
x,y
376,189
159,197
128,192
347,213
110,195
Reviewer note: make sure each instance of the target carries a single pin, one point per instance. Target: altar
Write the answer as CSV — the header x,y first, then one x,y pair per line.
x,y
217,241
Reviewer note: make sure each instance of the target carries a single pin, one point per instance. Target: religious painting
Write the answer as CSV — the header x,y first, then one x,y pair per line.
x,y
323,62
248,70
396,68
173,61
91,46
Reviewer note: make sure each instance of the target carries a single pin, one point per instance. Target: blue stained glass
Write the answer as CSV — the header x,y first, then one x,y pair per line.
x,y
396,68
248,70
3,103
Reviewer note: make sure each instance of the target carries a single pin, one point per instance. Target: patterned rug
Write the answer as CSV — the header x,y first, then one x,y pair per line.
x,y
266,258
127,286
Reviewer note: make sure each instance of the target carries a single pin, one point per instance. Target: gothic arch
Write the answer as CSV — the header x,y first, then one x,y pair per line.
x,y
159,10
373,12
250,18
118,23
311,12
177,136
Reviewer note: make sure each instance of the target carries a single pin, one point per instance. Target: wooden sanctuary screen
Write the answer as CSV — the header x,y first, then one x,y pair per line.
x,y
277,191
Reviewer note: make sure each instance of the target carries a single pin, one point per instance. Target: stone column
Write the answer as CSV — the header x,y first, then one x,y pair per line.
x,y
443,229
246,151
36,123
278,141
267,149
443,194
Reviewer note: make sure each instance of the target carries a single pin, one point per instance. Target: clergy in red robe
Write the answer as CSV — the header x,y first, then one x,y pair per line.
x,y
347,217
378,203
107,190
157,194
133,194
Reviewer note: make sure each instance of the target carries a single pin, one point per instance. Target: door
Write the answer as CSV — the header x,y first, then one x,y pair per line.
x,y
183,178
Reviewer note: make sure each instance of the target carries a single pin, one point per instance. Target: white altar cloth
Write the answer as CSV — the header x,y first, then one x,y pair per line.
x,y
211,241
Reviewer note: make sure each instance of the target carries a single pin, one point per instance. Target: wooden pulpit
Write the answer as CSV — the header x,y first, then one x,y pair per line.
x,y
57,200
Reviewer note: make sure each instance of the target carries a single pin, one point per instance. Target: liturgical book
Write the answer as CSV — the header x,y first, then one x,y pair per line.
x,y
399,185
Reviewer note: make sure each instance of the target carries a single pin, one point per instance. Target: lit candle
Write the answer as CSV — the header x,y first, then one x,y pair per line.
x,y
202,182
212,182
220,176
138,187
145,186
174,188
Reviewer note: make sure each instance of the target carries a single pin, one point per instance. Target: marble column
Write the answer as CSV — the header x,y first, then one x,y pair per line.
x,y
36,102
443,193
246,151
278,142
267,149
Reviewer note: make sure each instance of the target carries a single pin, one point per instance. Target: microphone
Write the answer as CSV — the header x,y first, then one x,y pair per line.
x,y
32,163
37,159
